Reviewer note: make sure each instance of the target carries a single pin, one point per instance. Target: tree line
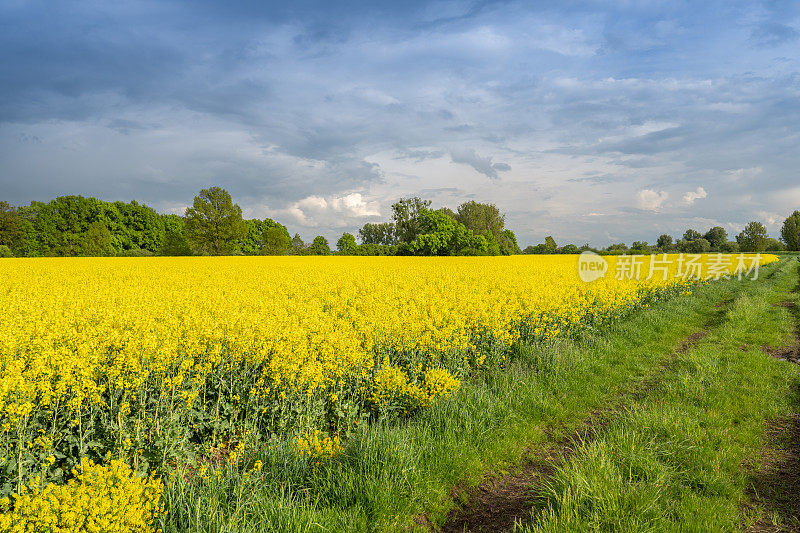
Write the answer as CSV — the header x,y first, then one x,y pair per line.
x,y
753,238
214,225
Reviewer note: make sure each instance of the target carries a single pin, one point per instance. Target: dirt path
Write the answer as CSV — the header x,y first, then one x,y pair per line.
x,y
776,481
498,501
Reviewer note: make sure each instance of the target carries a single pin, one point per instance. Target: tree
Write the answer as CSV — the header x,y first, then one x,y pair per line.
x,y
214,223
773,245
698,246
729,247
136,226
790,232
716,237
346,244
298,246
752,238
10,225
640,246
97,241
319,246
175,242
664,242
569,249
550,245
5,251
276,240
383,233
508,243
691,235
481,218
440,234
406,214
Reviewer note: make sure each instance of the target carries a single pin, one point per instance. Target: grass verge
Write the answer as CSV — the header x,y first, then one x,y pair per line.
x,y
683,457
393,472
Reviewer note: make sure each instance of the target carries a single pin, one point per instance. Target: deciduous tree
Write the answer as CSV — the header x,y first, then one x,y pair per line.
x,y
752,238
214,223
346,243
790,232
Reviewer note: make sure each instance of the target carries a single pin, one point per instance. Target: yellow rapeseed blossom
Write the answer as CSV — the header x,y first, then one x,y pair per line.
x,y
98,499
162,351
317,445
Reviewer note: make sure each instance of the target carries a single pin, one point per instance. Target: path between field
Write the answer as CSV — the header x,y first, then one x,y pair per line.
x,y
775,482
498,501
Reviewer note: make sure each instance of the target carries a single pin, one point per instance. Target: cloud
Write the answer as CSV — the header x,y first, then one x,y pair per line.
x,y
484,165
288,106
773,33
342,211
651,200
691,196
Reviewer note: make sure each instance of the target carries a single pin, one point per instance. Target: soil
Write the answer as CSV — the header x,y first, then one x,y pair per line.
x,y
775,482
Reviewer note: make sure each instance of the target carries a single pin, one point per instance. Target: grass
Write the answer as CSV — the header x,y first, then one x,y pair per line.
x,y
674,460
393,471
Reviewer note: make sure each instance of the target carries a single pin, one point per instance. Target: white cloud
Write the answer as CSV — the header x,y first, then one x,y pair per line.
x,y
691,196
652,200
337,211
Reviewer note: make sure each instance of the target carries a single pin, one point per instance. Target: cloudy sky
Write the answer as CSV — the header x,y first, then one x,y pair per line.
x,y
593,121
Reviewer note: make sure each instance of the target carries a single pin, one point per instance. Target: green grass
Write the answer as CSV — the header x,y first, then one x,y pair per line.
x,y
392,471
674,459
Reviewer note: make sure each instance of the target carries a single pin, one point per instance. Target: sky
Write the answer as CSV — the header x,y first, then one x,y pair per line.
x,y
591,121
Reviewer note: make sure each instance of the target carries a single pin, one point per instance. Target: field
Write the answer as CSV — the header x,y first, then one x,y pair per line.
x,y
180,384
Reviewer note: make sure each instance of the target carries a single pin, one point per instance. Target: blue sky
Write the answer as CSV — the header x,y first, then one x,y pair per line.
x,y
591,121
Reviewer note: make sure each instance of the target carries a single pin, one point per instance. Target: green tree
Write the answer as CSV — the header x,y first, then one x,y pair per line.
x,y
5,251
569,249
698,246
773,245
508,243
716,237
640,246
691,235
664,242
538,249
175,243
752,238
550,245
406,214
383,233
10,225
136,226
441,234
729,247
481,218
790,232
276,240
97,241
346,244
298,246
214,223
319,246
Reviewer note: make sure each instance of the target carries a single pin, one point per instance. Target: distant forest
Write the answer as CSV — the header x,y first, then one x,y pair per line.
x,y
213,225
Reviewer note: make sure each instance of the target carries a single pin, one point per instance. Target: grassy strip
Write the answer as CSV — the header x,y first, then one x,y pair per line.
x,y
391,472
674,459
